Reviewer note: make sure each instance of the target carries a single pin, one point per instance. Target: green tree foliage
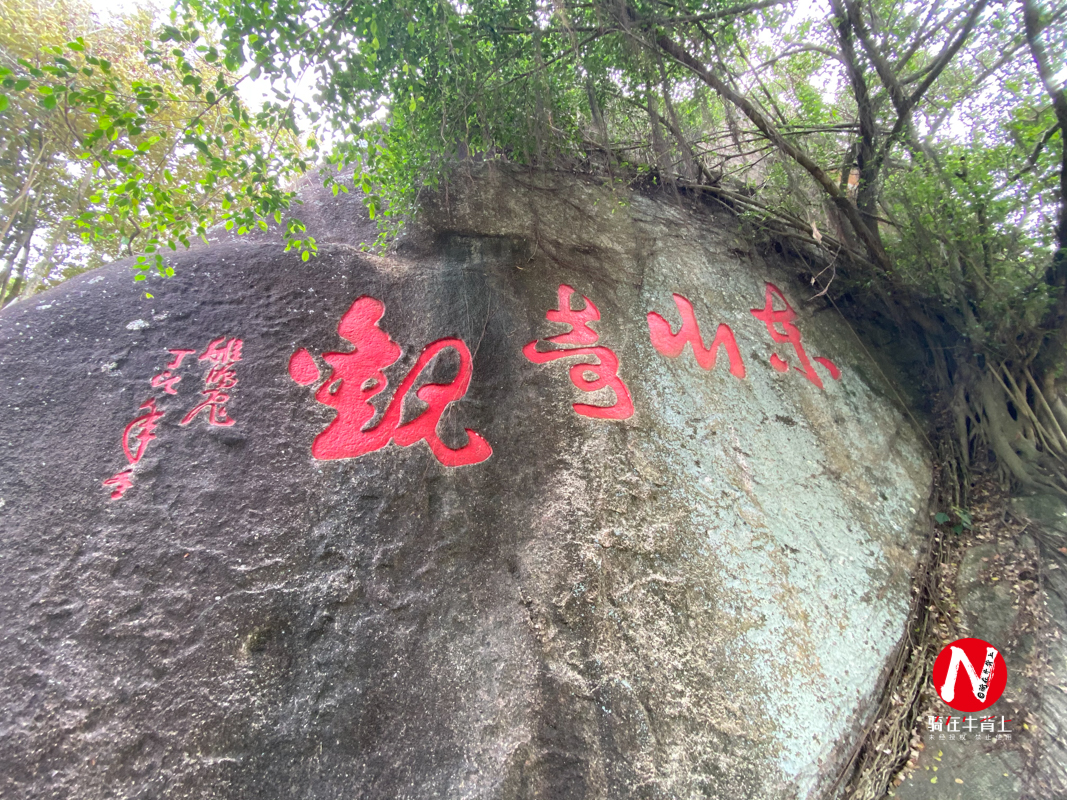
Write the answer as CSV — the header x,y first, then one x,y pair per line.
x,y
911,154
110,146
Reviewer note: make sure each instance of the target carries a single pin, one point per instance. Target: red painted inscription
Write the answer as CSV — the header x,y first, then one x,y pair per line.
x,y
119,483
672,344
142,429
599,362
358,375
221,355
789,333
135,438
221,377
167,379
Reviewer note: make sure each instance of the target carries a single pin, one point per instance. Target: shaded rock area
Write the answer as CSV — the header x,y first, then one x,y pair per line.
x,y
960,758
689,590
1008,588
1047,698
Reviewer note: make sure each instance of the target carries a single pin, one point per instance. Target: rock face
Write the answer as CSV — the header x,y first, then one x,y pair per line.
x,y
436,525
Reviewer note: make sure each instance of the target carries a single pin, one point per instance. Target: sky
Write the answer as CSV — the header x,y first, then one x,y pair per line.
x,y
111,8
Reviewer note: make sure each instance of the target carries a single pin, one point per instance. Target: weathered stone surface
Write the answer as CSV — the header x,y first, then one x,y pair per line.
x,y
695,601
994,585
1048,697
949,768
964,770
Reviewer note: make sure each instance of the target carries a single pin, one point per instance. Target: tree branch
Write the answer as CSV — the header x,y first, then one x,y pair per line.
x,y
866,158
840,199
1031,162
1032,21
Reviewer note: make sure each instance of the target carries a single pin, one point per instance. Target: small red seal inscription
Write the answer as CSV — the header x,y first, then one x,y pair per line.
x,y
672,344
790,333
599,362
358,375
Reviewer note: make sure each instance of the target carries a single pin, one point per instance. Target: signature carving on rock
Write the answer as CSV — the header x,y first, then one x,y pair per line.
x,y
221,355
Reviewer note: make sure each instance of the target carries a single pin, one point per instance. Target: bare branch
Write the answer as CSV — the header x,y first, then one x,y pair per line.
x,y
1032,20
839,198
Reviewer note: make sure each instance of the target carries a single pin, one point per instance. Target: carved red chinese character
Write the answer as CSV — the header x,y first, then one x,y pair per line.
x,y
167,379
135,438
221,355
600,362
142,429
119,483
358,375
790,333
672,344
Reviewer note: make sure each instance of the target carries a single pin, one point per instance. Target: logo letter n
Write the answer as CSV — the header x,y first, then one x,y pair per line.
x,y
979,684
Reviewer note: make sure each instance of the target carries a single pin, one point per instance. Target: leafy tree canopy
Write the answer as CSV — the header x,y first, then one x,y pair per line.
x,y
111,145
912,153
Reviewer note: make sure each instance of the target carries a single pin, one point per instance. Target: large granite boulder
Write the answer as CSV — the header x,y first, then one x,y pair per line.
x,y
484,517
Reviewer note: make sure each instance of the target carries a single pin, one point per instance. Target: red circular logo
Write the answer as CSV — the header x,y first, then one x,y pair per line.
x,y
970,675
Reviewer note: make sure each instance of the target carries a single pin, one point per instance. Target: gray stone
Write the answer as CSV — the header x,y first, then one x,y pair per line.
x,y
1051,695
987,604
695,601
1049,510
954,770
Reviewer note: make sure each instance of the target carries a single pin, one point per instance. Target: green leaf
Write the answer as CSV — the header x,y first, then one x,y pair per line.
x,y
941,517
3,102
305,256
